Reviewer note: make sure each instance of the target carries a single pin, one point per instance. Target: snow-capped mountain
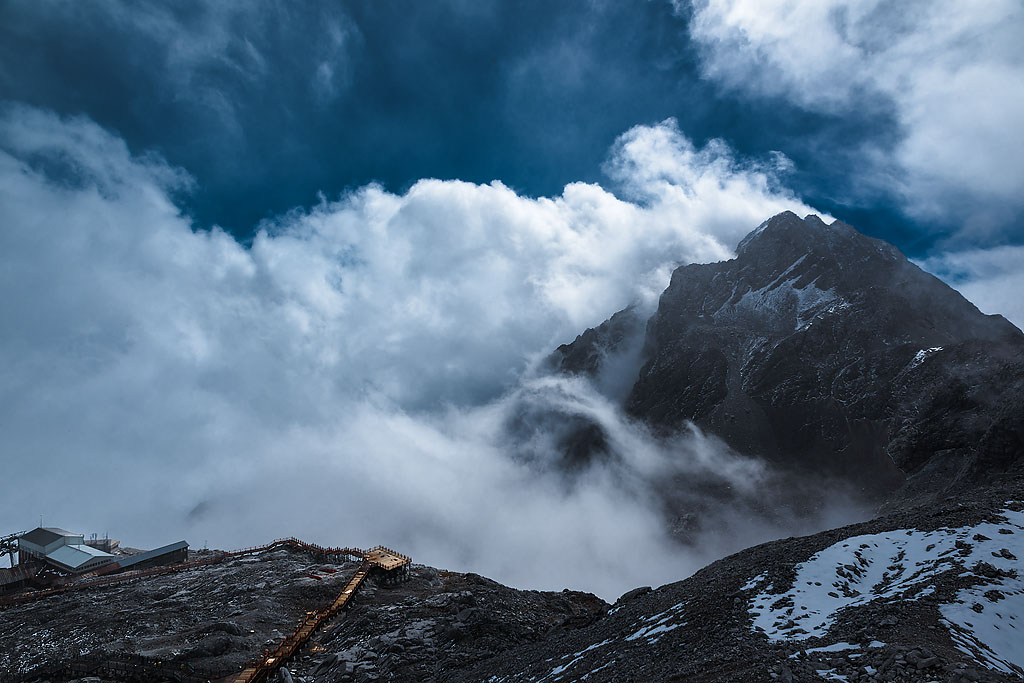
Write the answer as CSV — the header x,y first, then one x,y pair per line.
x,y
826,351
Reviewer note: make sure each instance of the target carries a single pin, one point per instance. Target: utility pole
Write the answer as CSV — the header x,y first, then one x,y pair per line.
x,y
9,546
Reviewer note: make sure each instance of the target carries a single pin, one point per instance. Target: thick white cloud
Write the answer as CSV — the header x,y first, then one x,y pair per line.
x,y
348,375
953,71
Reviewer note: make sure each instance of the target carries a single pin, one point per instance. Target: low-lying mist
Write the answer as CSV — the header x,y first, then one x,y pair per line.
x,y
466,490
366,370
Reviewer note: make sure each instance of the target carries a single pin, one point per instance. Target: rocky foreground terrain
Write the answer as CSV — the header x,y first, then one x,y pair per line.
x,y
217,618
933,593
926,594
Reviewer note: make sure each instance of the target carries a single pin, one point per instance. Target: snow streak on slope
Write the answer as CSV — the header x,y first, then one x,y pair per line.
x,y
902,564
649,630
922,355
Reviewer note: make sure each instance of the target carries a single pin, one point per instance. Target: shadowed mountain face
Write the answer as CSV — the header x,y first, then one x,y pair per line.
x,y
823,350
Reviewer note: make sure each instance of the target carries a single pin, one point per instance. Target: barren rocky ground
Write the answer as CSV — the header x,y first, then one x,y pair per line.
x,y
222,616
901,612
922,594
217,616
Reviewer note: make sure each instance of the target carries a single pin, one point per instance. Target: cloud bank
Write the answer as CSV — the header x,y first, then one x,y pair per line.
x,y
350,374
954,78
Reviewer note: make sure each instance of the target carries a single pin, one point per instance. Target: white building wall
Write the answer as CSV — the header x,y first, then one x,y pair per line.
x,y
30,548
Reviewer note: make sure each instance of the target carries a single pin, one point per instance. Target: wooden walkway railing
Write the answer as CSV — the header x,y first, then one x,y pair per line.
x,y
262,671
378,557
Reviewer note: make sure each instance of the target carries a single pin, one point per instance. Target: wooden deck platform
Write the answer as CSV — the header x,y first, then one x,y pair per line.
x,y
386,558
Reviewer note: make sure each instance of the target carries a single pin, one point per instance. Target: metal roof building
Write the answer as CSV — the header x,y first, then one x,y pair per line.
x,y
79,558
62,549
70,553
44,540
172,552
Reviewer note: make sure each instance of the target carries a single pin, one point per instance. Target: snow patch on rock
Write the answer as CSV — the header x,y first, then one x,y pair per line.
x,y
754,582
655,626
782,298
922,355
899,564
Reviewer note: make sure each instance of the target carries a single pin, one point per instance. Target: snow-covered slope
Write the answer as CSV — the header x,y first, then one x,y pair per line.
x,y
905,564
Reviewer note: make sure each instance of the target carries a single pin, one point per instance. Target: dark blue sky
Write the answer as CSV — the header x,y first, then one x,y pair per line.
x,y
530,93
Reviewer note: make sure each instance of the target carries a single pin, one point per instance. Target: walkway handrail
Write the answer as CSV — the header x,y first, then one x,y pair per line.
x,y
272,661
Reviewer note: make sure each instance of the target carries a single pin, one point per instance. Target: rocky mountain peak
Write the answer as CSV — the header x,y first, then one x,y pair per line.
x,y
822,349
808,252
787,230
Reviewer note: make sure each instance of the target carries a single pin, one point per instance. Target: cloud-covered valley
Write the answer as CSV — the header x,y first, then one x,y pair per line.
x,y
349,375
367,369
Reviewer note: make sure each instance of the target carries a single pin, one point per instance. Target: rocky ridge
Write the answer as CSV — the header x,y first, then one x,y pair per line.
x,y
215,619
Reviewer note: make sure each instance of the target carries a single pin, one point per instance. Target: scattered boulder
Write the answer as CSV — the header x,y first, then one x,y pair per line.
x,y
635,593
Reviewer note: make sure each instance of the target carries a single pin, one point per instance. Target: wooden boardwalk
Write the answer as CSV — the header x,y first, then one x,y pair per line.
x,y
378,557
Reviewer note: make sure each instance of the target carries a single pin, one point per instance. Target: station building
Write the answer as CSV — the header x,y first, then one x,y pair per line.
x,y
62,549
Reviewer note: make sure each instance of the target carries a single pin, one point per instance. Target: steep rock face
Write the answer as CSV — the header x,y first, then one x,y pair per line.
x,y
588,353
821,349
